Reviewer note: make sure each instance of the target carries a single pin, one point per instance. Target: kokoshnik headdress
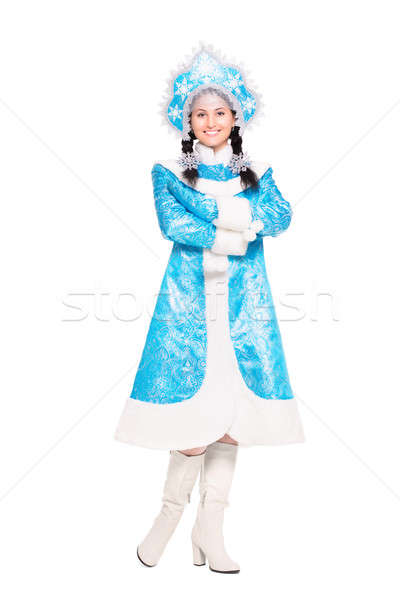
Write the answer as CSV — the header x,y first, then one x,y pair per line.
x,y
205,69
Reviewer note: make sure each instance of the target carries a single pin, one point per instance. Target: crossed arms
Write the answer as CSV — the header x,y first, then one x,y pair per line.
x,y
223,224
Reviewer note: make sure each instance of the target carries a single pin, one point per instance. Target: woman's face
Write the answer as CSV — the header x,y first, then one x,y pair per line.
x,y
212,121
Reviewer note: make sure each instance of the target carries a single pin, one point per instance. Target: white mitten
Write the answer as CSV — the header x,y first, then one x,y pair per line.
x,y
228,241
249,234
233,212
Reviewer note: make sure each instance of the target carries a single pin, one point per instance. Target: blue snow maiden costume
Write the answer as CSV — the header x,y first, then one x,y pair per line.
x,y
173,362
200,378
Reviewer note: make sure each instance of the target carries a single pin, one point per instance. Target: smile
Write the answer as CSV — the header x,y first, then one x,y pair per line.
x,y
212,132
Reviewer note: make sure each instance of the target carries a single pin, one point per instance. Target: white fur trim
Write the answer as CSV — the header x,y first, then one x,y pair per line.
x,y
250,233
229,242
223,404
208,156
257,225
214,262
211,186
185,65
234,213
215,188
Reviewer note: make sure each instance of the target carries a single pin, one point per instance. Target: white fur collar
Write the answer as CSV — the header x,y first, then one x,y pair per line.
x,y
212,187
209,157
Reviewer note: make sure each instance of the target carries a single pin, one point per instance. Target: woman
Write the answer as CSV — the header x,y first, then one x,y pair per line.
x,y
212,374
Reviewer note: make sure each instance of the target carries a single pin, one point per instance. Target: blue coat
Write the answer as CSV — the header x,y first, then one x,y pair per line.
x,y
173,362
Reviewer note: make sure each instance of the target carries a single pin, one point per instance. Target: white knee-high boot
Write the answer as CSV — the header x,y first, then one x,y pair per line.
x,y
181,477
215,482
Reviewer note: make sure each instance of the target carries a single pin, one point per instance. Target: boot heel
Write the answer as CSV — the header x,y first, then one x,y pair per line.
x,y
199,558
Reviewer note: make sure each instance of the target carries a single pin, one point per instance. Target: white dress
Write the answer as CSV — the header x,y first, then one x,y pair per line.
x,y
224,403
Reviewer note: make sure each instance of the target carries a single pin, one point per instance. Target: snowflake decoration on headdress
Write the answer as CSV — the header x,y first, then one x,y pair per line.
x,y
207,69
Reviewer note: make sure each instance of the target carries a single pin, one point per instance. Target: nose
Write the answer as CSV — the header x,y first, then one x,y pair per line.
x,y
210,122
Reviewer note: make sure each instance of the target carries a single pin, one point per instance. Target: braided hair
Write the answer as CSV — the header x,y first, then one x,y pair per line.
x,y
248,178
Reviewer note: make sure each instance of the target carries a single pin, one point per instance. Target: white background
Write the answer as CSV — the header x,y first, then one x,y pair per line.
x,y
80,84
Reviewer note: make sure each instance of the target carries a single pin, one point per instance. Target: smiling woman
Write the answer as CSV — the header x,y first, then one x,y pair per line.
x,y
212,376
212,120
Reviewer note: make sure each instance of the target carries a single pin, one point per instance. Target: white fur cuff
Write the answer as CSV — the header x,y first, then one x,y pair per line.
x,y
250,234
233,212
229,242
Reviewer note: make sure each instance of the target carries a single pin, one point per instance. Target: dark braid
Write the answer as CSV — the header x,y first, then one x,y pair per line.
x,y
187,147
247,178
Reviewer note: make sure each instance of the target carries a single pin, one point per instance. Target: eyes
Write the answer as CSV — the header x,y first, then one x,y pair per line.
x,y
219,113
